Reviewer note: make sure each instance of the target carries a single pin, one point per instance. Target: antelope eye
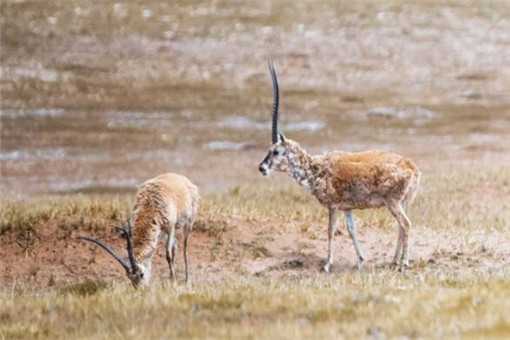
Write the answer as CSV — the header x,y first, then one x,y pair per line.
x,y
276,152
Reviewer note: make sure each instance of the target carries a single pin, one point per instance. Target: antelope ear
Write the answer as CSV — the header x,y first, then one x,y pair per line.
x,y
281,138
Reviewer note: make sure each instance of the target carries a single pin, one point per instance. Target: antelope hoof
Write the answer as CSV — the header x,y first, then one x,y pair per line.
x,y
403,267
360,263
327,267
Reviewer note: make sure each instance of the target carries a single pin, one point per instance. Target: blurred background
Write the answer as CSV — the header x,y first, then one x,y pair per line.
x,y
97,96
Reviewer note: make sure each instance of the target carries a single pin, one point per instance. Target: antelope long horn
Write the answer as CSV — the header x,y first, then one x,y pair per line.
x,y
129,241
276,102
109,250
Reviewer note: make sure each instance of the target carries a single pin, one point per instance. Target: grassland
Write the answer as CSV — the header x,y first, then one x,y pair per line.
x,y
457,287
97,96
366,305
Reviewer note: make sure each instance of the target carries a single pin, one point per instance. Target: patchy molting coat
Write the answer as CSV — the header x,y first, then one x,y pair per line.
x,y
345,181
163,203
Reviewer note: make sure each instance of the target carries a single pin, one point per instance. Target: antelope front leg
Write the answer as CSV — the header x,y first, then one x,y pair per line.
x,y
170,252
351,228
331,233
185,252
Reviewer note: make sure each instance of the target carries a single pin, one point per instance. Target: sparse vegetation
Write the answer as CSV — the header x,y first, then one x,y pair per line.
x,y
66,213
96,95
459,290
366,305
451,198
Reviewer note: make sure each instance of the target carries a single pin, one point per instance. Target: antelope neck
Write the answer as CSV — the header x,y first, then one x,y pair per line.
x,y
301,168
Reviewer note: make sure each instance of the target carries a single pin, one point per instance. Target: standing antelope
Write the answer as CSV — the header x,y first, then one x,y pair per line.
x,y
162,205
343,181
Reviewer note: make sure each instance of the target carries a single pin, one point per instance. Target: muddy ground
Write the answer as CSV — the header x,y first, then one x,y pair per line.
x,y
97,97
55,258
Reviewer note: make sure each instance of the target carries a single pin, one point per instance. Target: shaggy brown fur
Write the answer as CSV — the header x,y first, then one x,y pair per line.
x,y
163,204
345,181
361,180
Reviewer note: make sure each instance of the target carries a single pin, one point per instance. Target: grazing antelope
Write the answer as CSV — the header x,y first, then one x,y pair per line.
x,y
162,205
343,181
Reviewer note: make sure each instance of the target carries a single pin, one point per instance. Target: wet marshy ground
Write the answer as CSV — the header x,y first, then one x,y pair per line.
x,y
99,96
65,151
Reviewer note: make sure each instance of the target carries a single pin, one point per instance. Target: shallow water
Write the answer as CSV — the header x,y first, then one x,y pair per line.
x,y
114,151
98,96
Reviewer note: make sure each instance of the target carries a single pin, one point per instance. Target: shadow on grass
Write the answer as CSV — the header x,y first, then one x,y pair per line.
x,y
85,288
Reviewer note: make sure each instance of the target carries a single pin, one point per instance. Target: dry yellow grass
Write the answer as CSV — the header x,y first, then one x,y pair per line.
x,y
367,305
150,55
453,197
457,298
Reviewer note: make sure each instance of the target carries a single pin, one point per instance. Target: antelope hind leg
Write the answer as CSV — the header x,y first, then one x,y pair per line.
x,y
170,253
351,228
404,225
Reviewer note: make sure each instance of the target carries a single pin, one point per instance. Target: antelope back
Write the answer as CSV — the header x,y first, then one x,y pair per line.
x,y
161,202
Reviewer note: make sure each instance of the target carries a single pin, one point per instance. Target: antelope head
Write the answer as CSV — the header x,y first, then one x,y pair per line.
x,y
137,273
281,149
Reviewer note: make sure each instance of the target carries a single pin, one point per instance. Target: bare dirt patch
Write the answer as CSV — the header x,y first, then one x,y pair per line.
x,y
53,257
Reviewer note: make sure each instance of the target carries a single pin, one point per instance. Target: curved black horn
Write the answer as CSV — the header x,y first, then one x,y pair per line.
x,y
276,101
129,240
109,250
125,232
